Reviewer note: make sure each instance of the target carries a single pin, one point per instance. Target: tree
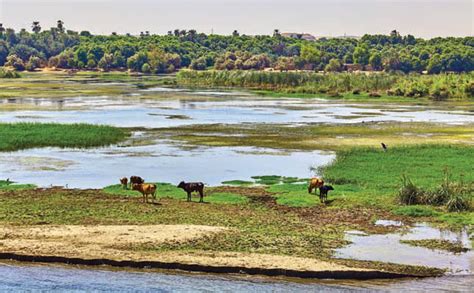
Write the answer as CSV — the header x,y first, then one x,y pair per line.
x,y
3,52
136,62
199,64
276,33
36,27
361,54
375,60
285,64
33,63
15,62
235,33
2,29
333,66
310,57
105,63
60,26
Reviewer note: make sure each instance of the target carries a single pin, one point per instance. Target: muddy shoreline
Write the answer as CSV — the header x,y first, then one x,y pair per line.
x,y
336,274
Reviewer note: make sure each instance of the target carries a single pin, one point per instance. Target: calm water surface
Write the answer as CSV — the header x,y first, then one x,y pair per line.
x,y
21,277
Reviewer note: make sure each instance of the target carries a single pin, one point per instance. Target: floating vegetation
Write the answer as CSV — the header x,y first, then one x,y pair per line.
x,y
441,244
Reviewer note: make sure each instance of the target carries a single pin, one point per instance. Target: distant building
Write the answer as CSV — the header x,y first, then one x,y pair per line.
x,y
307,37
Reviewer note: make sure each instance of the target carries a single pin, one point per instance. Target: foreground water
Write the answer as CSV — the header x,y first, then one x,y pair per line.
x,y
388,248
38,277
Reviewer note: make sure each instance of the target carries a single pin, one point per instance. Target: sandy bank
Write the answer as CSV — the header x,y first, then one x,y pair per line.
x,y
117,245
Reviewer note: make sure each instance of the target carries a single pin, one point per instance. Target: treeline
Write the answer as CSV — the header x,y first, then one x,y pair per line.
x,y
67,49
437,87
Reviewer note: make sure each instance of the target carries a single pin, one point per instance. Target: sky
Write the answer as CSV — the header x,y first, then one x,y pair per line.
x,y
422,18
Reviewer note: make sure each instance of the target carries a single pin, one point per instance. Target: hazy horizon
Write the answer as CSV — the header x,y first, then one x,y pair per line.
x,y
421,18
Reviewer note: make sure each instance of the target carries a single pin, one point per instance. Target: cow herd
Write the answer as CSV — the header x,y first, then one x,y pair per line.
x,y
137,183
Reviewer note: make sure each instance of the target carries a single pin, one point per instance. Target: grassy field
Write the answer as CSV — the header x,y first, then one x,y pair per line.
x,y
18,136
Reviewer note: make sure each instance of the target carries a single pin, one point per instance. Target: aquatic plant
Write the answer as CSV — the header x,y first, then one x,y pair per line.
x,y
18,136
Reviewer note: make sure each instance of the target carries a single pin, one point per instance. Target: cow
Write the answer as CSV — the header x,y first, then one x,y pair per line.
x,y
315,183
136,180
193,186
145,189
124,182
323,192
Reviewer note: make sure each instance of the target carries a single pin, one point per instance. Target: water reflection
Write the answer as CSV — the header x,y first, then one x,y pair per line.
x,y
388,248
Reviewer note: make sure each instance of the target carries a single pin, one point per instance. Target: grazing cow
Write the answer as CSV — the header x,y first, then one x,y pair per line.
x,y
315,183
323,192
384,147
136,180
124,182
145,189
193,186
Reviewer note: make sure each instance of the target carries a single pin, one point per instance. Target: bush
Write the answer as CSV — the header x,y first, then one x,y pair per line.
x,y
409,193
8,73
456,196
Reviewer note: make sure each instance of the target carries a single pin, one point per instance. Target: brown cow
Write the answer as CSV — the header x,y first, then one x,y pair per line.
x,y
315,183
145,189
124,182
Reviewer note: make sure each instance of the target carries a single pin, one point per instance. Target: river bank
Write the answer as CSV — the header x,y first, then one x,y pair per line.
x,y
92,227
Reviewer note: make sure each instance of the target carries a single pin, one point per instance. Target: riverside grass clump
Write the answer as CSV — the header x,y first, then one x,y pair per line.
x,y
18,136
455,196
436,87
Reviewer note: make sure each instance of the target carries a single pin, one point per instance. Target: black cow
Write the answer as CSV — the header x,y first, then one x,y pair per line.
x,y
193,186
136,180
323,192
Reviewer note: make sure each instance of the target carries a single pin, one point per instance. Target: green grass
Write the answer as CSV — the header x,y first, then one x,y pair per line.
x,y
375,169
226,198
18,136
372,177
237,182
416,211
9,185
167,190
164,190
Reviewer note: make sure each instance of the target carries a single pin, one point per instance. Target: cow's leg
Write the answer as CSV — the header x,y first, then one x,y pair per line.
x,y
189,196
201,196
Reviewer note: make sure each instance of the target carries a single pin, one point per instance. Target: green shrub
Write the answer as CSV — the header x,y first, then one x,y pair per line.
x,y
409,193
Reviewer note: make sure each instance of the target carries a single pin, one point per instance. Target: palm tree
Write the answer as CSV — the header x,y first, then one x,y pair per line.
x,y
60,26
36,28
